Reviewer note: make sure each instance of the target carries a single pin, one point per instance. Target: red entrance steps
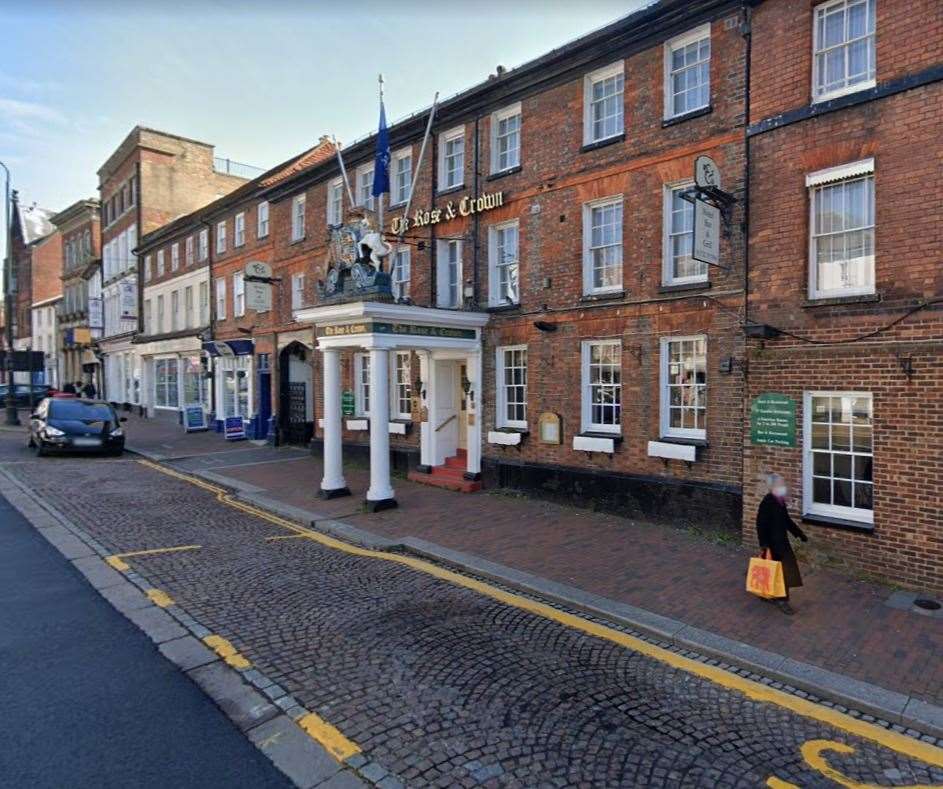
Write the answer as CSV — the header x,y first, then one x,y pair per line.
x,y
450,475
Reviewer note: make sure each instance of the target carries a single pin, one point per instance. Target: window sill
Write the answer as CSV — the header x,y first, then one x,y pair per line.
x,y
401,427
590,441
682,441
296,241
672,450
687,116
503,173
841,92
358,423
503,308
449,190
613,296
592,146
507,436
684,286
835,301
844,524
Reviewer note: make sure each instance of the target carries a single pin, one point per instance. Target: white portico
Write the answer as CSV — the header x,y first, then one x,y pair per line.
x,y
448,345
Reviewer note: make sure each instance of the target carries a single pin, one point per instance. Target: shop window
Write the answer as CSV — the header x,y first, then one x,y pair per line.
x,y
684,387
601,374
503,264
235,374
678,264
838,438
165,383
602,246
194,383
843,46
841,244
688,72
511,386
604,104
506,138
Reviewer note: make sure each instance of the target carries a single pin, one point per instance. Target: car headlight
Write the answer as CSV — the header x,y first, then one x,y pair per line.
x,y
53,432
116,433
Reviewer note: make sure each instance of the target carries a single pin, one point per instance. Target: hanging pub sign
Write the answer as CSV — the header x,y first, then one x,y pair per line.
x,y
432,216
773,420
258,286
706,173
706,233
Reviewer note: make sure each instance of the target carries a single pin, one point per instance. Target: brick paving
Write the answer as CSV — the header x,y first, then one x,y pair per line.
x,y
438,685
842,623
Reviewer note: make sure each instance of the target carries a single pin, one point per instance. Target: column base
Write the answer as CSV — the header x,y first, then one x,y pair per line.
x,y
380,505
333,493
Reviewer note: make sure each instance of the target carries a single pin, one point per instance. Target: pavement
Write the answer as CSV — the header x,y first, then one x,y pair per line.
x,y
349,666
853,641
78,676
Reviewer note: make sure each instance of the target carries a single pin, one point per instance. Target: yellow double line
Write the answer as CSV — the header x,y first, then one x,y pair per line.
x,y
903,744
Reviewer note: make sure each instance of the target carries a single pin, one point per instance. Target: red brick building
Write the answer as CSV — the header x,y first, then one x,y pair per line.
x,y
845,279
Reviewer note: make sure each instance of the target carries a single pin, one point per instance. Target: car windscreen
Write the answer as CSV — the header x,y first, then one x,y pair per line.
x,y
79,411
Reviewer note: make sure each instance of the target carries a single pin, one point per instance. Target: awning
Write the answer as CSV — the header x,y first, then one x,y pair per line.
x,y
229,347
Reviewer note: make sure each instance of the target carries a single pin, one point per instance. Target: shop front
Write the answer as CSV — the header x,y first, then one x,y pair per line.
x,y
448,344
175,377
233,384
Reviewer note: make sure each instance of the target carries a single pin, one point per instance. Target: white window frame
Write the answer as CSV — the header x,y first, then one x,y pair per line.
x,y
148,317
175,256
261,219
501,387
589,288
456,133
221,298
667,247
188,250
335,202
612,70
398,194
238,294
239,229
664,410
400,283
495,297
363,183
831,177
297,291
147,268
160,263
443,281
362,385
398,387
160,313
188,307
204,314
220,237
831,510
298,204
696,35
505,114
586,401
203,248
817,11
175,310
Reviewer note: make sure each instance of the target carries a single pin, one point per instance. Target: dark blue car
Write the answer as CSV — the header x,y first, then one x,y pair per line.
x,y
70,424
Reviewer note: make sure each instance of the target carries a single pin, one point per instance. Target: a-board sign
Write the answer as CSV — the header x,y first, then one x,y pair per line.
x,y
194,418
234,429
773,420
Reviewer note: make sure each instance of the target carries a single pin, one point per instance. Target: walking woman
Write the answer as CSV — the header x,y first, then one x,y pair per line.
x,y
772,524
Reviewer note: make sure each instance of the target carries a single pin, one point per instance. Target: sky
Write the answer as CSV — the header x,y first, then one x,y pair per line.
x,y
260,80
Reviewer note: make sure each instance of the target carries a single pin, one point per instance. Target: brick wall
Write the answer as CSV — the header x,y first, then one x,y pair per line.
x,y
46,272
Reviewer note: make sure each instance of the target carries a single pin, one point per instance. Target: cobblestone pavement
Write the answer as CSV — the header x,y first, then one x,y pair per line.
x,y
439,684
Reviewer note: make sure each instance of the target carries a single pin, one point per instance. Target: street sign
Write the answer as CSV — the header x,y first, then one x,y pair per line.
x,y
256,268
706,173
706,233
773,420
258,295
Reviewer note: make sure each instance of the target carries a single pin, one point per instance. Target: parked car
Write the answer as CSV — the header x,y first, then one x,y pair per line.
x,y
71,424
21,394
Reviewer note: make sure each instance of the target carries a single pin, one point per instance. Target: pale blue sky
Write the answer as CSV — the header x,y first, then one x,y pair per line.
x,y
260,80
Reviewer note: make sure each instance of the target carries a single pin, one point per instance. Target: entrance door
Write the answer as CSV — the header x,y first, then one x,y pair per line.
x,y
462,414
447,382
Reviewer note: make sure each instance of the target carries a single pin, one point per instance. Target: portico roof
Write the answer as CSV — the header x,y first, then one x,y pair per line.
x,y
384,311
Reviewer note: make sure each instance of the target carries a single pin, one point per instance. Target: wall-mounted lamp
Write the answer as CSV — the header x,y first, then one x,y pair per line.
x,y
545,326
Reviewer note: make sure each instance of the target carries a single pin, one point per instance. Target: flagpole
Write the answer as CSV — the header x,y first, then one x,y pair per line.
x,y
422,153
340,159
380,196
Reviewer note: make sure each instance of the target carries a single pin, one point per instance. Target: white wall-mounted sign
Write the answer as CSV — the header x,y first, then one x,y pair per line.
x,y
258,296
706,233
256,268
706,172
96,314
128,299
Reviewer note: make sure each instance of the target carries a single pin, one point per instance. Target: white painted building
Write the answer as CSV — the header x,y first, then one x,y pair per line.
x,y
45,338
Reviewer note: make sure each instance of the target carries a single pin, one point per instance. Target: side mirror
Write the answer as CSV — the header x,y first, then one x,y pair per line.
x,y
123,419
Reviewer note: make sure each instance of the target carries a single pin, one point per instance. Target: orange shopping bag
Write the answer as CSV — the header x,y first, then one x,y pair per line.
x,y
765,578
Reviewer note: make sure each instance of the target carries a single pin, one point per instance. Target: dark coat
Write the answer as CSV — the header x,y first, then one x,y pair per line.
x,y
772,525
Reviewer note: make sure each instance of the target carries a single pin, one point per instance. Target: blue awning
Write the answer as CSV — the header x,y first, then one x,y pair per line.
x,y
229,347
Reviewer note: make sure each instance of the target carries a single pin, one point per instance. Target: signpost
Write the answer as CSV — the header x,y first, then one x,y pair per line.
x,y
258,285
773,420
194,418
234,429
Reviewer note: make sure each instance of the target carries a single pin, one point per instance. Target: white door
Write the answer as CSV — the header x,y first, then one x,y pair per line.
x,y
445,412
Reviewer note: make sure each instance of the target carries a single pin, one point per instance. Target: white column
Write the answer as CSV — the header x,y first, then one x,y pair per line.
x,y
333,483
380,494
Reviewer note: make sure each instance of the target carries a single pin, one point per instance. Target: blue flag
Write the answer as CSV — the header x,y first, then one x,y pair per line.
x,y
381,165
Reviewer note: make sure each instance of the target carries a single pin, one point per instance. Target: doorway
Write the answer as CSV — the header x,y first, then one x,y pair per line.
x,y
446,415
295,405
462,415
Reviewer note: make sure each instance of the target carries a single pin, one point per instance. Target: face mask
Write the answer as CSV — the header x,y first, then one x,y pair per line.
x,y
780,491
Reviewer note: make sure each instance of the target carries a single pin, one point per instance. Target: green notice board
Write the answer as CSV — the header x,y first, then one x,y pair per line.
x,y
347,403
773,420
